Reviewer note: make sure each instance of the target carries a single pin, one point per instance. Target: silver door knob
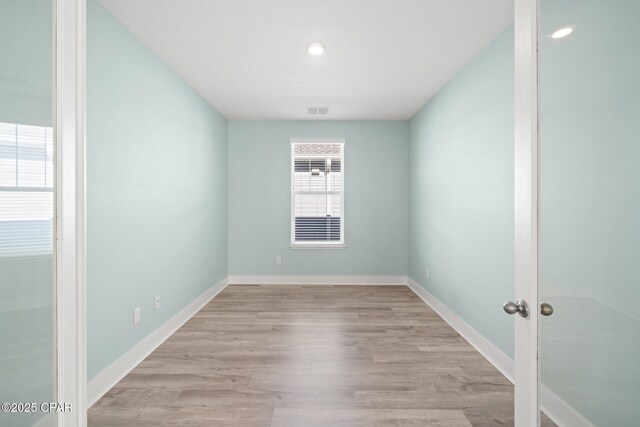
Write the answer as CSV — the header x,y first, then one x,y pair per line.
x,y
546,309
519,307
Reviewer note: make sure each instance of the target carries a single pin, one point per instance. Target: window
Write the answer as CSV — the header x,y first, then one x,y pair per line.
x,y
317,193
26,190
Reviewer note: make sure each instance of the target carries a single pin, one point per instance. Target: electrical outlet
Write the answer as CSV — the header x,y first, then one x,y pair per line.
x,y
278,260
136,315
426,273
156,302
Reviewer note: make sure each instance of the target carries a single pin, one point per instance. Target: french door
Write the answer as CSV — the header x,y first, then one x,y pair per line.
x,y
577,211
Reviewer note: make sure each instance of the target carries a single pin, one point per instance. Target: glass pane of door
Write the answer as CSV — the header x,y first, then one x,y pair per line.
x,y
589,210
27,147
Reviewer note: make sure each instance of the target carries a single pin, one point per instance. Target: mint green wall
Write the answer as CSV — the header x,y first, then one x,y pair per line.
x,y
375,199
461,193
156,191
26,282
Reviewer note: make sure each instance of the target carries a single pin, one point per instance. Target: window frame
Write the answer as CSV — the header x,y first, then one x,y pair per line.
x,y
318,244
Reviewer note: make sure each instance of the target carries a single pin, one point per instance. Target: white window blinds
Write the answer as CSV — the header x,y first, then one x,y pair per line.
x,y
317,193
26,190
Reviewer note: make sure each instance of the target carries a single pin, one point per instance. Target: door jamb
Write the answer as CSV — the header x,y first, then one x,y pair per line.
x,y
527,411
70,211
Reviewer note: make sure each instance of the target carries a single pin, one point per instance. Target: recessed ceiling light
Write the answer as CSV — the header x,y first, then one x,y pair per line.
x,y
315,48
563,31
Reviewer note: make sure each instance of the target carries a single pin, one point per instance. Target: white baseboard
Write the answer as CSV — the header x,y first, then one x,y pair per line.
x,y
110,376
552,405
317,280
560,411
490,351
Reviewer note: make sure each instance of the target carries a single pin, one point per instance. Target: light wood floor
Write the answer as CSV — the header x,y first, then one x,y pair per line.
x,y
311,356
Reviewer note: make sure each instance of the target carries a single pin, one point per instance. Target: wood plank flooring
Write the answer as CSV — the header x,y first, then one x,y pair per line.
x,y
311,356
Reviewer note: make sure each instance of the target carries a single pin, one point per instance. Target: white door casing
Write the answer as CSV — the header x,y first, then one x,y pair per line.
x,y
526,211
70,211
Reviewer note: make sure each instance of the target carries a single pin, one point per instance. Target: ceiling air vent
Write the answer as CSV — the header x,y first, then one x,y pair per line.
x,y
318,111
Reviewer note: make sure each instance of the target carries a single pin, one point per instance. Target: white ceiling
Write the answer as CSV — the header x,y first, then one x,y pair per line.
x,y
384,60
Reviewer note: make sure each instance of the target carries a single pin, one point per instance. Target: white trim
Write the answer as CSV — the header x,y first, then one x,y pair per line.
x,y
317,280
560,411
527,408
486,348
109,377
317,245
552,405
70,336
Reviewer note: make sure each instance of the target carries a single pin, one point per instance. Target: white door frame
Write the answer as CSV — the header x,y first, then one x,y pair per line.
x,y
526,211
70,199
70,211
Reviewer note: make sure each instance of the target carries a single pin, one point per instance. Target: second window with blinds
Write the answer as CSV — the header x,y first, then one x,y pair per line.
x,y
317,193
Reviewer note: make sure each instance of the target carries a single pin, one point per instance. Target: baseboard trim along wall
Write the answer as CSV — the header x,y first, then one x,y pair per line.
x,y
490,351
317,280
560,411
109,377
552,405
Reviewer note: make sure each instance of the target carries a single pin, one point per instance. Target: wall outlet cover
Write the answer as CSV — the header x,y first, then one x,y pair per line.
x,y
156,302
136,315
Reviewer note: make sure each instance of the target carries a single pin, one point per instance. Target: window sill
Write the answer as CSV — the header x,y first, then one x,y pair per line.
x,y
317,246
